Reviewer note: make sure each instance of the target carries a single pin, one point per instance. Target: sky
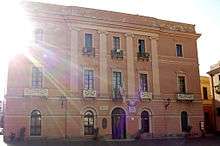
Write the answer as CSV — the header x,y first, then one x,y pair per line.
x,y
204,14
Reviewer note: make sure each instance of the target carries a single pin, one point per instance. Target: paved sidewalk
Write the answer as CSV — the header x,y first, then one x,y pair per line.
x,y
212,141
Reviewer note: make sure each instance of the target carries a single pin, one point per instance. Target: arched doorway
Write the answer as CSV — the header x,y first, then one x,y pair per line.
x,y
184,121
145,124
88,123
118,124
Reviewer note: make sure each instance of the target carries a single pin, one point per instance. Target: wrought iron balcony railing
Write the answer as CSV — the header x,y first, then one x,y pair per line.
x,y
89,93
117,54
89,51
143,56
185,97
36,92
117,94
145,95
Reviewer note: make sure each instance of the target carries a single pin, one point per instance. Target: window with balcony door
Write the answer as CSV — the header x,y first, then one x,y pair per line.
x,y
88,40
205,93
179,50
88,79
143,83
37,77
141,46
116,42
116,84
182,84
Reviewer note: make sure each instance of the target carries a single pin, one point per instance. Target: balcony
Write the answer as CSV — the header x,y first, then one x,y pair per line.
x,y
117,95
117,54
36,92
185,97
89,93
143,56
145,95
217,89
89,51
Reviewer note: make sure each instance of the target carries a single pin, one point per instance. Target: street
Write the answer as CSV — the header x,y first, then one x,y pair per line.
x,y
212,141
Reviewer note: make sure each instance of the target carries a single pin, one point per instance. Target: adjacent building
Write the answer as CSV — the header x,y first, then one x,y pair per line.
x,y
91,69
215,83
208,108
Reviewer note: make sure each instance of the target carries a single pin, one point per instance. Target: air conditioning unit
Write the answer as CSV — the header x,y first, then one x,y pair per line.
x,y
87,93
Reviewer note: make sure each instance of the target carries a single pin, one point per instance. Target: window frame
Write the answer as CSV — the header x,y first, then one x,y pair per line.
x,y
116,45
36,77
182,54
203,93
146,84
139,44
89,79
90,41
178,84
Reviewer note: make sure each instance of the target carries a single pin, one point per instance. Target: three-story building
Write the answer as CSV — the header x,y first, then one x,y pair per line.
x,y
91,69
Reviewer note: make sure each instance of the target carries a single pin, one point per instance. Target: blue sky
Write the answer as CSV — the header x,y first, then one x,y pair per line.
x,y
203,13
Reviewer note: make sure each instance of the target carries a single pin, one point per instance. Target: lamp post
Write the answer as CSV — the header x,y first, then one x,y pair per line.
x,y
64,105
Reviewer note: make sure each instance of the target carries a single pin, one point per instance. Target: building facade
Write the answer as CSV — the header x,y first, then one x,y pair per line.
x,y
91,69
215,82
206,90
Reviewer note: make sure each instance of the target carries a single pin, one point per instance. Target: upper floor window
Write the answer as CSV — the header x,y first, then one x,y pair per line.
x,y
37,77
38,35
88,40
179,50
141,46
205,92
143,82
116,42
182,84
116,80
219,78
88,79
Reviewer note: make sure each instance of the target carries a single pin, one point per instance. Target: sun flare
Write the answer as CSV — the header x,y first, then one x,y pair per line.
x,y
16,30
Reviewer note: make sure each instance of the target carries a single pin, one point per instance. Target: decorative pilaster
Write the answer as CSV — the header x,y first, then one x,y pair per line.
x,y
103,64
74,61
130,65
155,66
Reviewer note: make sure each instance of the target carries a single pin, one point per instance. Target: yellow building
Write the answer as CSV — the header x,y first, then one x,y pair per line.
x,y
206,92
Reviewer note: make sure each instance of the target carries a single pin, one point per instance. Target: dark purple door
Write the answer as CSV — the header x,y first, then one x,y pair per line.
x,y
118,124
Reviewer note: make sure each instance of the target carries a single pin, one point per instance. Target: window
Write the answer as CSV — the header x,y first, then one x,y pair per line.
x,y
88,40
141,46
38,35
116,80
182,84
219,78
35,126
116,42
89,123
179,50
218,111
88,79
205,92
37,77
116,85
143,82
184,121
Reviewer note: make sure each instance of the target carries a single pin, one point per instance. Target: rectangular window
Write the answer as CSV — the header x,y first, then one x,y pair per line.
x,y
179,50
219,78
88,79
88,40
116,42
38,35
37,77
116,80
218,111
141,46
205,92
182,84
143,83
